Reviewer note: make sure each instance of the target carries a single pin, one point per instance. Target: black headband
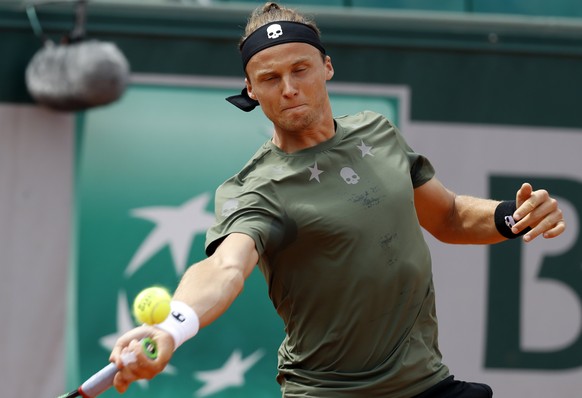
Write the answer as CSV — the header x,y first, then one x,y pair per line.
x,y
273,34
276,33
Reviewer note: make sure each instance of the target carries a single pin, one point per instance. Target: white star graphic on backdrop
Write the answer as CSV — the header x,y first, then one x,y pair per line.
x,y
231,374
176,227
366,150
315,172
125,323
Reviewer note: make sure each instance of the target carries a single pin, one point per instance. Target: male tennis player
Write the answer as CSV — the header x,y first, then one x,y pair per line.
x,y
331,211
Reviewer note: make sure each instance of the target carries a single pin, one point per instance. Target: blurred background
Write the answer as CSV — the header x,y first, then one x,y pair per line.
x,y
107,178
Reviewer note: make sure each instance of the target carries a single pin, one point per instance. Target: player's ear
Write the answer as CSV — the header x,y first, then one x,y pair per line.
x,y
250,89
328,68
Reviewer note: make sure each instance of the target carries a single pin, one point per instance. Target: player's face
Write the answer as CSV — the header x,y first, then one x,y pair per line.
x,y
289,81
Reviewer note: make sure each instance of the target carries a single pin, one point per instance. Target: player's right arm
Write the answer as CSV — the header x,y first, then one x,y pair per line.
x,y
209,287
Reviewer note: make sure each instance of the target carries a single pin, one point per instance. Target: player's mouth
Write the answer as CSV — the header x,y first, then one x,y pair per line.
x,y
292,107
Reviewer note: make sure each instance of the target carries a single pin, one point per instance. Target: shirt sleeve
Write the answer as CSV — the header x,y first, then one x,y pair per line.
x,y
421,170
253,212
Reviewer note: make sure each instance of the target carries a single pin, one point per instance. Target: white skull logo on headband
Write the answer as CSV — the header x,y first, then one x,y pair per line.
x,y
274,31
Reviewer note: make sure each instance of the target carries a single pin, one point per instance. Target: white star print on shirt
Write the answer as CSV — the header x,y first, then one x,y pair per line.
x,y
366,150
315,172
176,227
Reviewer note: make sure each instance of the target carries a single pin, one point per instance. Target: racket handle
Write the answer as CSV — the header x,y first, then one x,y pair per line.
x,y
99,382
103,379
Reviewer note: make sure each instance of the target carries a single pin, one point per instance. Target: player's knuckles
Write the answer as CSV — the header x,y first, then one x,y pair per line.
x,y
547,211
557,219
541,196
561,227
557,228
527,207
527,221
554,205
151,375
558,215
551,214
114,356
531,204
146,369
547,224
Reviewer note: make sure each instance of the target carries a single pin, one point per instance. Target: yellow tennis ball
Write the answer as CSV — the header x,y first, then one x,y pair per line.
x,y
152,305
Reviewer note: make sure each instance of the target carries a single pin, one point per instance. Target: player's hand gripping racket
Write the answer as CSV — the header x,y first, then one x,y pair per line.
x,y
103,379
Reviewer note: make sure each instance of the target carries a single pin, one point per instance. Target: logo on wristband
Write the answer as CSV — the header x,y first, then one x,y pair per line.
x,y
178,316
509,221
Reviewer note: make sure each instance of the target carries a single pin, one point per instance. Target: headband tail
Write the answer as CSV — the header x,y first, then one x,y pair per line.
x,y
243,101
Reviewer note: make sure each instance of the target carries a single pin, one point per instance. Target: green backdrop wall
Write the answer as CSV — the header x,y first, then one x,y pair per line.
x,y
460,67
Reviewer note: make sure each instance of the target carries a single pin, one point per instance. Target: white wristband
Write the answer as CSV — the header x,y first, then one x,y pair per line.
x,y
182,323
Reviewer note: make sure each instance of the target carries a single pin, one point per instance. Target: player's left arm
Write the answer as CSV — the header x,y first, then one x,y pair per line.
x,y
454,218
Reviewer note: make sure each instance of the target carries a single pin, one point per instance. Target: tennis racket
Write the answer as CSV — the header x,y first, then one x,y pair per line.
x,y
103,379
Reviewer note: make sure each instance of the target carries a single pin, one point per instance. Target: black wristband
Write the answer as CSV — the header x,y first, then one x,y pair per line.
x,y
504,219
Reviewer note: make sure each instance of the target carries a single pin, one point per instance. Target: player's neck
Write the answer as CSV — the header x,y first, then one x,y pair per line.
x,y
290,141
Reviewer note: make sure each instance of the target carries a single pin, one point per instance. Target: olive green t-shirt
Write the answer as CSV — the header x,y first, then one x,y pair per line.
x,y
345,260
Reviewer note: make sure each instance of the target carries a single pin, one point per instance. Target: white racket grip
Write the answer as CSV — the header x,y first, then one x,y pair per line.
x,y
99,382
103,379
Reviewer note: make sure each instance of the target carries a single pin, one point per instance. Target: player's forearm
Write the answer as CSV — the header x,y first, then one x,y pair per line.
x,y
472,221
210,287
453,218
